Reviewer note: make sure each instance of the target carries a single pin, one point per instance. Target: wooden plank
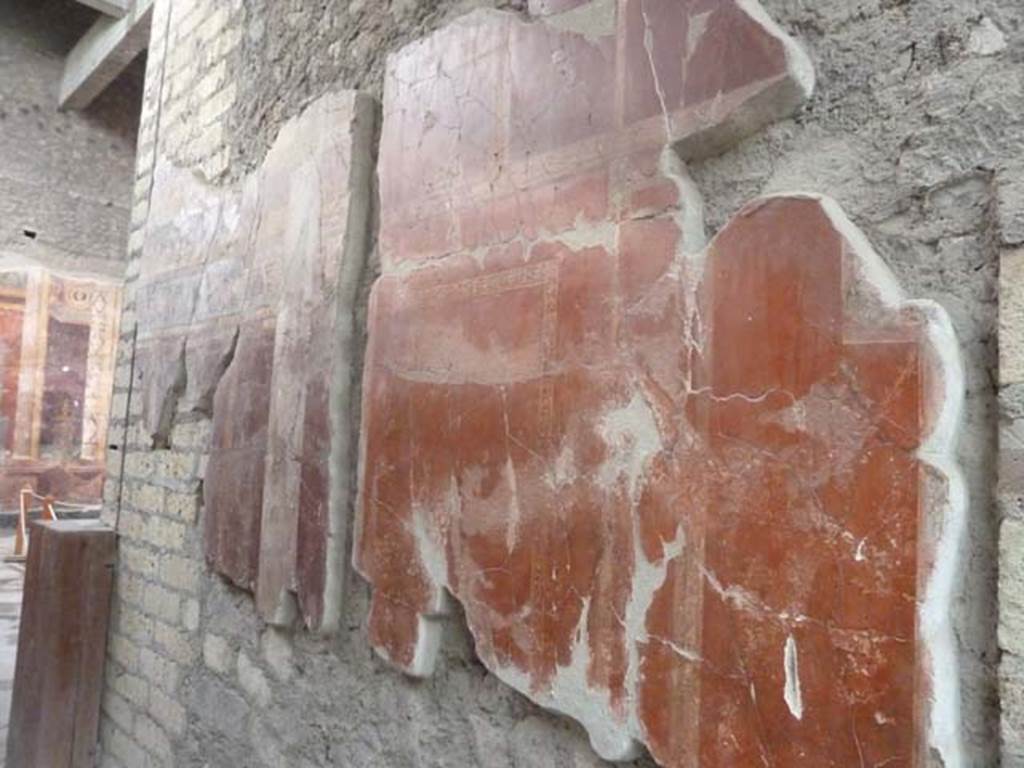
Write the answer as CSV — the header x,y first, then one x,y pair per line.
x,y
115,8
102,54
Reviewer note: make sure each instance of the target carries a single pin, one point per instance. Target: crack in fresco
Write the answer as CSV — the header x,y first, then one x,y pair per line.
x,y
672,482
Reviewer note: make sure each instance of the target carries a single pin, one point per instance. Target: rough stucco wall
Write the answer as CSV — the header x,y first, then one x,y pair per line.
x,y
237,71
916,115
352,39
66,176
1010,212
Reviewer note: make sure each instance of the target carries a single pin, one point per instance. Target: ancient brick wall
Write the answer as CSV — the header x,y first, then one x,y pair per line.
x,y
911,129
65,177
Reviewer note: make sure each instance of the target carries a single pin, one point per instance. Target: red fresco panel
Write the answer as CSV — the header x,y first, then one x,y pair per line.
x,y
234,485
11,317
65,371
690,494
245,315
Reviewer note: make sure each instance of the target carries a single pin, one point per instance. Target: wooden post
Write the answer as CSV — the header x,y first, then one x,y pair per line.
x,y
25,503
58,678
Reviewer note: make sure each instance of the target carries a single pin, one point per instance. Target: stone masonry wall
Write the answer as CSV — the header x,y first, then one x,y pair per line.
x,y
1010,219
913,127
65,177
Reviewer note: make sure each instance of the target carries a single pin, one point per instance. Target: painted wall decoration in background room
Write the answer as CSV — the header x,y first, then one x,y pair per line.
x,y
58,338
699,496
246,297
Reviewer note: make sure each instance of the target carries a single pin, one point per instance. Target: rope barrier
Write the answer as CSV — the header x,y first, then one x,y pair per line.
x,y
68,504
48,511
81,507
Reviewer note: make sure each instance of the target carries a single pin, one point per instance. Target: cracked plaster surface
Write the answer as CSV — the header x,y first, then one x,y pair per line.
x,y
697,496
246,297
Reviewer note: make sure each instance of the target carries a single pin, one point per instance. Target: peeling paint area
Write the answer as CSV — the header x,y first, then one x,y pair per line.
x,y
631,440
791,693
245,299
